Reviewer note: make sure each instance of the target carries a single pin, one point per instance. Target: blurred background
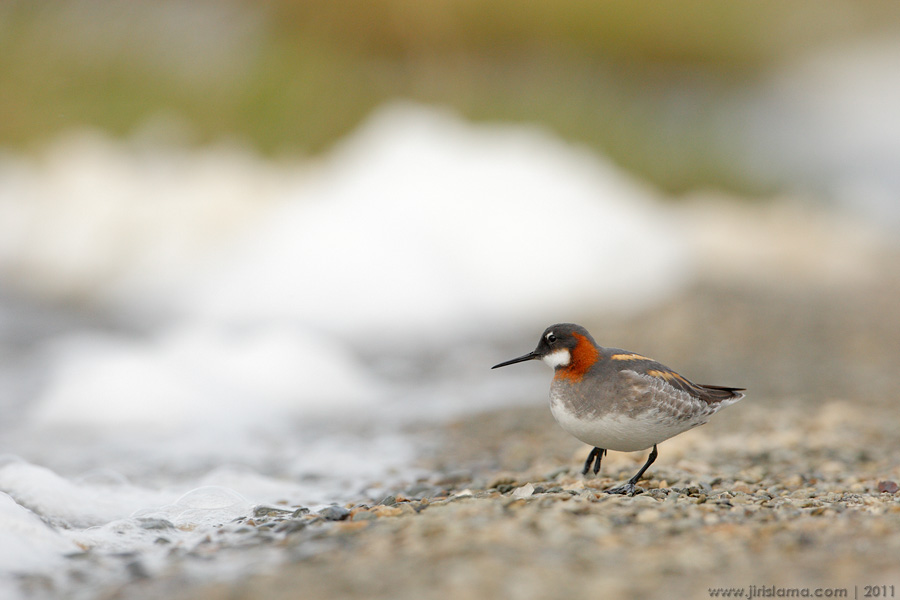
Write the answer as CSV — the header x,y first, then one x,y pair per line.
x,y
464,169
299,226
683,95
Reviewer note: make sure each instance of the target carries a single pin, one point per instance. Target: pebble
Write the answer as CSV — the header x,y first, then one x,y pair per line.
x,y
645,500
888,487
649,516
334,513
742,487
503,480
152,523
270,511
526,491
422,490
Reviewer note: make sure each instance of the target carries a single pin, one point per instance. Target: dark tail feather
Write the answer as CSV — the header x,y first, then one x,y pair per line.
x,y
718,393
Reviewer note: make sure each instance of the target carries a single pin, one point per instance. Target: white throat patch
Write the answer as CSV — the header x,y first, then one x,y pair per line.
x,y
560,358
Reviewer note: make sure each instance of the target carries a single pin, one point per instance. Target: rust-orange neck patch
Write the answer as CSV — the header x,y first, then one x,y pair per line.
x,y
584,356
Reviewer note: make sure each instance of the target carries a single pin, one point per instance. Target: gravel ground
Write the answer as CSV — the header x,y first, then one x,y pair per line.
x,y
794,487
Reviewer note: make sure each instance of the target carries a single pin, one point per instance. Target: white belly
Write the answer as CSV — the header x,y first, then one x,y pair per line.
x,y
620,432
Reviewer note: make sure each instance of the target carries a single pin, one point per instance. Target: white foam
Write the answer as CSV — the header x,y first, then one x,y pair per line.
x,y
423,223
208,506
62,501
27,543
92,215
196,377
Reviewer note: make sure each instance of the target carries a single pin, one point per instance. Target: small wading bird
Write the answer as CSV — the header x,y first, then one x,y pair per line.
x,y
617,400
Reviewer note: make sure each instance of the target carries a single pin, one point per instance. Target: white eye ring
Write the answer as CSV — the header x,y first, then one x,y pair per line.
x,y
550,337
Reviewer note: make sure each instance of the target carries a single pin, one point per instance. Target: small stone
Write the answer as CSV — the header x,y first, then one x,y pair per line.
x,y
577,486
289,527
793,482
364,515
742,487
136,570
526,491
406,509
389,501
649,516
888,487
269,511
151,523
387,511
422,490
753,474
503,480
645,499
334,513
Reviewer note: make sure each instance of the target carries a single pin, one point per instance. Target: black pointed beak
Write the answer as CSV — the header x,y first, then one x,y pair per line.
x,y
529,356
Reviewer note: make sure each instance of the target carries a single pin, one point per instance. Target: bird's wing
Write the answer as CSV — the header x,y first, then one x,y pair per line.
x,y
665,392
642,391
711,394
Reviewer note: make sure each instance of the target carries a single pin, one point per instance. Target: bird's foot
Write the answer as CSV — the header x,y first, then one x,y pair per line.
x,y
594,459
628,489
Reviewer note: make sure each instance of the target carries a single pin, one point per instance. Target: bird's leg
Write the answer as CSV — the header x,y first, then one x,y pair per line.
x,y
596,454
629,486
590,460
600,456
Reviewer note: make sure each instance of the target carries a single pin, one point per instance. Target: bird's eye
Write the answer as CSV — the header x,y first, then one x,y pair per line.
x,y
551,338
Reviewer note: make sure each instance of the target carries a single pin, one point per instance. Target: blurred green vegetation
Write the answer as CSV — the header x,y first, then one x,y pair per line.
x,y
643,82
